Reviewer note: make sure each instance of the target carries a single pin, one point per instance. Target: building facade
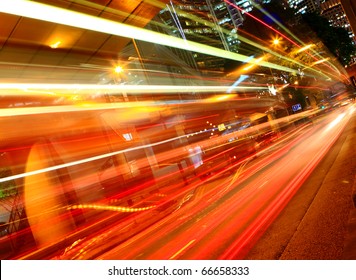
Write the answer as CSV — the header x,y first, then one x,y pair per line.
x,y
340,14
209,22
304,6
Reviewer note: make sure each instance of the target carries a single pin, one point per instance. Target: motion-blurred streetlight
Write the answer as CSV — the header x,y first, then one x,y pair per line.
x,y
305,48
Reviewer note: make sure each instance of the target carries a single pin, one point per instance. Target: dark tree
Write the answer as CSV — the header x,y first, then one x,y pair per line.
x,y
336,39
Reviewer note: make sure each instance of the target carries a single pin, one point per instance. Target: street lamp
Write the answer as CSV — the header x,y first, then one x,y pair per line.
x,y
118,69
276,41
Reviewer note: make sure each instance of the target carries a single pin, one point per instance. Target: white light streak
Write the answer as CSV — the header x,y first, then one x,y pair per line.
x,y
335,122
11,89
86,160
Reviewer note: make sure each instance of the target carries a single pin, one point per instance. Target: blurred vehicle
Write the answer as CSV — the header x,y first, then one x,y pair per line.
x,y
224,155
81,162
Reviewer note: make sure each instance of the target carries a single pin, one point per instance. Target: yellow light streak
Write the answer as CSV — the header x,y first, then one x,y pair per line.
x,y
253,63
66,17
248,67
320,61
306,48
55,45
182,249
11,112
162,5
219,98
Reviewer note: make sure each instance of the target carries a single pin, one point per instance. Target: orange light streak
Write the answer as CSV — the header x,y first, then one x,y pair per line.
x,y
110,208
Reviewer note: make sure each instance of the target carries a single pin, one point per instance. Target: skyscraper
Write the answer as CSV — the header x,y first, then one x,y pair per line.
x,y
304,6
341,14
350,11
210,22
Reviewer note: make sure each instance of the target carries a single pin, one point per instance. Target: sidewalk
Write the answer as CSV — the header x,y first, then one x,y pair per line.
x,y
349,252
324,231
319,223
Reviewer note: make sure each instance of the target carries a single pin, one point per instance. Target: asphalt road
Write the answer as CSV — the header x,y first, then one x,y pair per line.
x,y
223,224
318,222
225,218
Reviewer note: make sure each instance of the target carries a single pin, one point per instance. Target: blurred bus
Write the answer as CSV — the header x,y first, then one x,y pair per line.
x,y
77,164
